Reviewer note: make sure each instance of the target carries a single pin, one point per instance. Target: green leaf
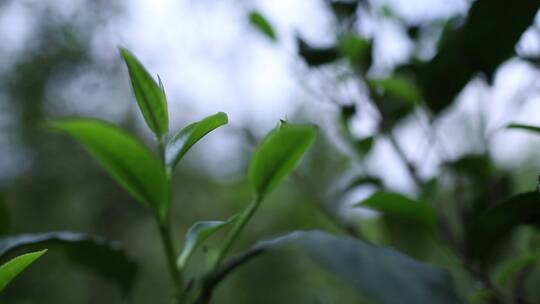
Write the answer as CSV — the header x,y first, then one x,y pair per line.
x,y
278,155
259,22
11,269
197,234
4,217
149,94
380,274
125,158
488,229
396,87
97,254
397,205
486,39
357,50
514,265
180,144
343,9
531,128
316,56
364,145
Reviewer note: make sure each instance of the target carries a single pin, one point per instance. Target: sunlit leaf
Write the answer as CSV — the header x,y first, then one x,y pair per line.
x,y
97,254
197,234
125,158
380,274
260,23
12,268
180,144
149,94
278,155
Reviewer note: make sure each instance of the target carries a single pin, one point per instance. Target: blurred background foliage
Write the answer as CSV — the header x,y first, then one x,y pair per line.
x,y
411,97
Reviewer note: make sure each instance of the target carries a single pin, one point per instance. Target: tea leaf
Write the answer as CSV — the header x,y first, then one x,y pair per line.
x,y
125,158
104,257
260,23
149,94
197,234
14,267
278,155
380,274
180,144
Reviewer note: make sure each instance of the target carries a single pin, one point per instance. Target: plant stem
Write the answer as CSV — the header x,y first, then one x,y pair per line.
x,y
166,236
166,240
235,232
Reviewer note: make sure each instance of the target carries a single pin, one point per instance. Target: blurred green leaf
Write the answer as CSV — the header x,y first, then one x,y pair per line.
x,y
104,257
487,230
180,144
364,145
396,87
531,128
278,155
486,39
197,234
317,56
344,9
397,205
259,22
364,180
4,217
509,268
357,50
150,96
380,274
12,268
125,158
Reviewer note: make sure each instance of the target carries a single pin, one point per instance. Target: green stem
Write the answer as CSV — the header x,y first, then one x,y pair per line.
x,y
168,248
166,236
235,231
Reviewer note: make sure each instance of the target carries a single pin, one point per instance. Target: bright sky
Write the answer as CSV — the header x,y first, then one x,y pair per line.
x,y
210,60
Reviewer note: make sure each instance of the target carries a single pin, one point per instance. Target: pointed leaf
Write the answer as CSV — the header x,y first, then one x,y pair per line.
x,y
317,56
11,269
259,22
278,155
150,96
530,128
125,158
104,257
399,206
487,230
180,144
380,274
197,234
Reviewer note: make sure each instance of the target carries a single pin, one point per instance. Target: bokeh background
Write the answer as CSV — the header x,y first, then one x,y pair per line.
x,y
60,58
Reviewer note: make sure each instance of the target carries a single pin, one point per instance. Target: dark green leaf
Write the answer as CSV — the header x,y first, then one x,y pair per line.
x,y
104,257
125,158
488,229
180,144
514,265
197,234
364,145
357,50
344,9
316,56
488,38
382,275
4,217
364,180
150,96
278,155
396,87
531,128
397,205
12,268
260,23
